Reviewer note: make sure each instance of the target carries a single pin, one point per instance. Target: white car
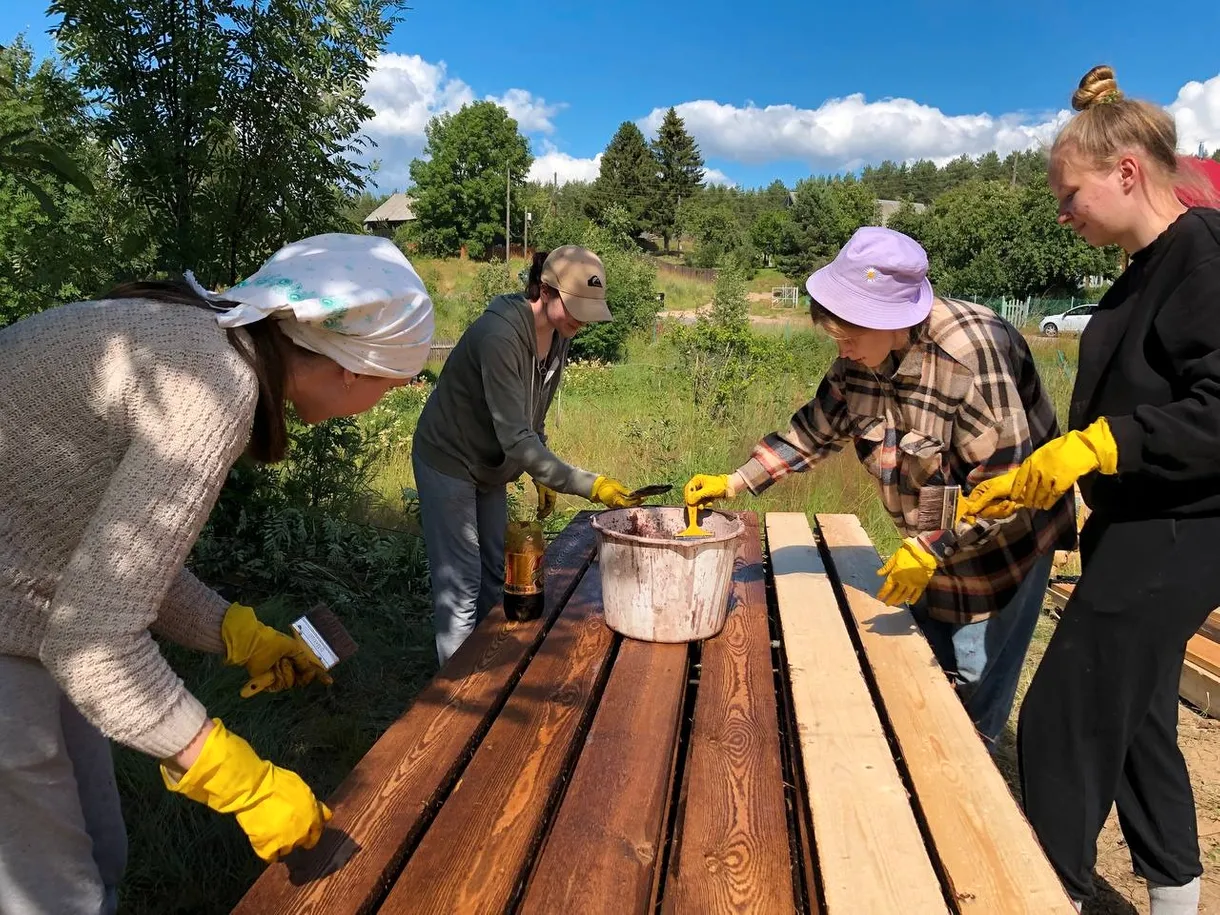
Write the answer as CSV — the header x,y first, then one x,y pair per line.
x,y
1072,321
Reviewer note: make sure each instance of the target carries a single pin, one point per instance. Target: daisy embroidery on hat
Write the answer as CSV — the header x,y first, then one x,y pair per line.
x,y
870,275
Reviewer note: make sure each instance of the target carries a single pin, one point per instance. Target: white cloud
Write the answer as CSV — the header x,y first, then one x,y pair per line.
x,y
845,133
407,91
1197,111
716,176
554,165
532,114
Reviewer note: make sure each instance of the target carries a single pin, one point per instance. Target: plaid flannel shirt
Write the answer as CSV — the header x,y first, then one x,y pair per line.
x,y
962,404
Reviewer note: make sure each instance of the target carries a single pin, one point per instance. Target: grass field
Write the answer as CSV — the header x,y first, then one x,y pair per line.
x,y
636,421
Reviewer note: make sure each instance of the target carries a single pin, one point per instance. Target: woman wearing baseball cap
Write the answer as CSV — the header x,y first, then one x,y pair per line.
x,y
931,392
485,425
119,423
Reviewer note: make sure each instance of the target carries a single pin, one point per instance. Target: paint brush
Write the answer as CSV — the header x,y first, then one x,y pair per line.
x,y
321,630
940,507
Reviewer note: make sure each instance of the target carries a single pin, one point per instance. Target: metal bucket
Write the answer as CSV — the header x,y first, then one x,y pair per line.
x,y
658,587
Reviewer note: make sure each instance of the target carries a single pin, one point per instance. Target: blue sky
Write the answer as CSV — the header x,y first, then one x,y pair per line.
x,y
775,89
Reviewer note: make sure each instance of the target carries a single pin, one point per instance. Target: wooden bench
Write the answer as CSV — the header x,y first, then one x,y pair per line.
x,y
810,758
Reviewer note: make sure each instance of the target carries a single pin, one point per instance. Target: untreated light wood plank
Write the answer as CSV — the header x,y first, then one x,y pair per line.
x,y
380,808
605,845
871,854
1200,688
476,854
1211,627
732,850
987,850
1203,652
1060,593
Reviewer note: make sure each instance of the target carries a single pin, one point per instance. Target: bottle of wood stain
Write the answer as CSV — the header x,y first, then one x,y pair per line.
x,y
524,546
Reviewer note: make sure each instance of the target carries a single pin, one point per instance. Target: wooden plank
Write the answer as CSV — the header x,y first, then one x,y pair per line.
x,y
1200,688
871,854
381,807
1060,593
1204,653
603,850
732,851
986,848
476,854
1211,628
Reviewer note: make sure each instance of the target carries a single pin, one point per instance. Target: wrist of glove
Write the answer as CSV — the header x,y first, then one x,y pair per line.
x,y
275,808
906,574
703,488
612,494
274,660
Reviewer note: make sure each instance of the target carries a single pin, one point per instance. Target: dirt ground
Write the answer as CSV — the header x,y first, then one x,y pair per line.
x,y
1118,890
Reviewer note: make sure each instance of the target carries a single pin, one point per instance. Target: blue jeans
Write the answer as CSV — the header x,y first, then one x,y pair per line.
x,y
464,537
984,659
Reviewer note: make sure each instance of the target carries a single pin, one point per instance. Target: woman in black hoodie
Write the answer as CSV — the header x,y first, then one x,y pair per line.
x,y
1099,724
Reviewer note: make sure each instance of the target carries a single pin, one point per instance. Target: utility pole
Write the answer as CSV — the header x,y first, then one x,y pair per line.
x,y
508,187
525,245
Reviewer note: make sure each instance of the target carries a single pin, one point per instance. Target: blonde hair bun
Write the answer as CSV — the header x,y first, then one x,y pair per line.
x,y
1097,87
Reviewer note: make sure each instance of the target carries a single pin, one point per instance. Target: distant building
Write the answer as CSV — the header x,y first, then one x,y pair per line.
x,y
395,212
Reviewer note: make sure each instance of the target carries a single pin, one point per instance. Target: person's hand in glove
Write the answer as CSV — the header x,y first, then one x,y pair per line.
x,y
273,806
546,500
703,488
1052,470
275,661
906,574
613,494
990,499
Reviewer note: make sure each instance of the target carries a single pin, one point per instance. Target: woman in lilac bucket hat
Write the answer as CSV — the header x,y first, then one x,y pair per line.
x,y
932,392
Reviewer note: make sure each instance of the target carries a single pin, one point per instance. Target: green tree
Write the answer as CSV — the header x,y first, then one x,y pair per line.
x,y
825,214
990,168
679,173
627,179
60,244
773,234
460,179
239,123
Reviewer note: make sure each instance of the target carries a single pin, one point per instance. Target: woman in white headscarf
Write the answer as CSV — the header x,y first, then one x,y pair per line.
x,y
119,421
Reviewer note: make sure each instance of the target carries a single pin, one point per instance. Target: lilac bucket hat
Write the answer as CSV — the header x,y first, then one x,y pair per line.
x,y
879,280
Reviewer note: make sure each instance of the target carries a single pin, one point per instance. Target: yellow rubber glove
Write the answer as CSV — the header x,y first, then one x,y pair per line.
x,y
1049,472
274,806
546,500
907,574
707,487
613,494
990,499
275,661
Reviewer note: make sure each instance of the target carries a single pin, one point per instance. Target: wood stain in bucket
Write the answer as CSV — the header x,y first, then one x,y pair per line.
x,y
524,547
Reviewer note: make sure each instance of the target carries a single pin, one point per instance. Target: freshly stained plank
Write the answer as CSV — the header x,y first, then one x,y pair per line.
x,y
871,854
381,806
1200,688
986,847
731,850
1203,652
605,845
477,851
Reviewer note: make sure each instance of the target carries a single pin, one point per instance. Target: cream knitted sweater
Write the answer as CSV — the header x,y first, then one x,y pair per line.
x,y
119,422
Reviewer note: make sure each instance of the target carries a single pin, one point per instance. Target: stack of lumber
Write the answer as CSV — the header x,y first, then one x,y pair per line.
x,y
1200,682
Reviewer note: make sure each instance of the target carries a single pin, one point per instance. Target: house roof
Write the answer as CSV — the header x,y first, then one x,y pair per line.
x,y
396,209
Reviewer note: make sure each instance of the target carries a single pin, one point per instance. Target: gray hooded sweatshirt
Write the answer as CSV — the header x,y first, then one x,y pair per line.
x,y
486,420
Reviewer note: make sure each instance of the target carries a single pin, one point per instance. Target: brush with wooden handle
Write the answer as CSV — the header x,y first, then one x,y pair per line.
x,y
323,636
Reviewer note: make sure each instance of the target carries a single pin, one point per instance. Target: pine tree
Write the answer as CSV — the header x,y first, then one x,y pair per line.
x,y
628,178
679,172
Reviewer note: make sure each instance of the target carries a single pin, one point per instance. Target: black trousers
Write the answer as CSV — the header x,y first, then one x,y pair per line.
x,y
1100,721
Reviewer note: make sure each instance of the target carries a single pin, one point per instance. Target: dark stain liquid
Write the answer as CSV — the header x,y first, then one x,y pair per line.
x,y
522,608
